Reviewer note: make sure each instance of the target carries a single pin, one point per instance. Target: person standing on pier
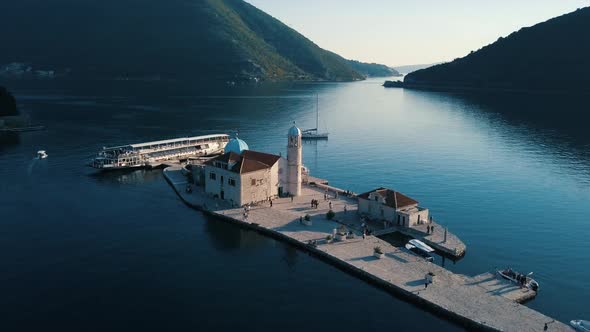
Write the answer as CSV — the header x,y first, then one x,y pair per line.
x,y
270,200
330,204
345,209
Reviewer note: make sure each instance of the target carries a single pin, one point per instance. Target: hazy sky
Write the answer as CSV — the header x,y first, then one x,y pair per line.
x,y
395,32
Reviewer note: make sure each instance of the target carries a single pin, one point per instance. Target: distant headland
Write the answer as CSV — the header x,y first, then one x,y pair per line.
x,y
553,56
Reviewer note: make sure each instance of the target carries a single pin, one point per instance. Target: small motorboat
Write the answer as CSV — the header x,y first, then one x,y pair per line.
x,y
519,278
421,249
41,154
580,325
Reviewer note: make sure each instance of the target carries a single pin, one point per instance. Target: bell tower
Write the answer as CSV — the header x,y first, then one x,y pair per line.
x,y
294,161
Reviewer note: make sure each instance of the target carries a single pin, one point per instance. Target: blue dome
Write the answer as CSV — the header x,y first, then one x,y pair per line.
x,y
294,131
235,145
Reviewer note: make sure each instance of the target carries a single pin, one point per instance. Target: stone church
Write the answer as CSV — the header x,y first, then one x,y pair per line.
x,y
242,176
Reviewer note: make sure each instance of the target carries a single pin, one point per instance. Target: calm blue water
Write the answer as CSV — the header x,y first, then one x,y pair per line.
x,y
118,251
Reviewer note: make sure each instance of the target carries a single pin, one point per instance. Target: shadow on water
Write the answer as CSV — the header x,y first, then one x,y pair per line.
x,y
8,139
558,119
561,113
126,177
228,237
553,125
290,256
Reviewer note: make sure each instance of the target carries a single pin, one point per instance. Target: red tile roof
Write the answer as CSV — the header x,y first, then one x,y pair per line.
x,y
224,158
265,158
393,198
248,161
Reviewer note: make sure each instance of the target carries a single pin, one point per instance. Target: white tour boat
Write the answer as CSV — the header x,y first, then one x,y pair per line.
x,y
155,153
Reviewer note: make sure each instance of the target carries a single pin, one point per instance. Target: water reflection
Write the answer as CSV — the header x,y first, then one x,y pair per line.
x,y
227,237
542,120
127,177
290,256
8,139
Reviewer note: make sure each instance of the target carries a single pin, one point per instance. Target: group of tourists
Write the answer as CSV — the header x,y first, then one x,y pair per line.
x,y
314,203
521,279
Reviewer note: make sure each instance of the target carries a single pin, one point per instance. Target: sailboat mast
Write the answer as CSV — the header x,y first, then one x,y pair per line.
x,y
317,111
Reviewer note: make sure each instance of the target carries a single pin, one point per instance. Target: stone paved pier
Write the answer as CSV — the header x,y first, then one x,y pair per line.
x,y
483,302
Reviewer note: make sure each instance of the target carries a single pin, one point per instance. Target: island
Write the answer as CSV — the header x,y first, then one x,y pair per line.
x,y
393,84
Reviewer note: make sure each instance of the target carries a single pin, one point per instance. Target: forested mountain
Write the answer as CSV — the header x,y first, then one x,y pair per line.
x,y
227,40
373,69
550,56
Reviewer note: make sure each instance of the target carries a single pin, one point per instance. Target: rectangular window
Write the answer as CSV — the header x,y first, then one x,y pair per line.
x,y
231,182
212,176
253,182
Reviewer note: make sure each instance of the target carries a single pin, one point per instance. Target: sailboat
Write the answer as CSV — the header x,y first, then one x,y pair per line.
x,y
313,133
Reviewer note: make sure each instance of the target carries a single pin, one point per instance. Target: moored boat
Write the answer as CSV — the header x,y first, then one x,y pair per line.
x,y
314,133
421,249
155,153
519,278
580,325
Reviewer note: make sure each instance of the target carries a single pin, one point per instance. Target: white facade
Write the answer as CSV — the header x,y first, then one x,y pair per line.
x,y
376,207
278,177
256,187
223,184
294,161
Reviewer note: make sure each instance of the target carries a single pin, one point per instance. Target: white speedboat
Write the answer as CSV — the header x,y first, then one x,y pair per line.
x,y
421,249
580,325
519,278
41,154
421,245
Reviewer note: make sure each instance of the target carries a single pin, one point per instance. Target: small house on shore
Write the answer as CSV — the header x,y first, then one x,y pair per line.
x,y
392,206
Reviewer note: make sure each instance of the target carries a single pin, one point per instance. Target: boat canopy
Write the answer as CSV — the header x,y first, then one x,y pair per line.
x,y
421,245
167,142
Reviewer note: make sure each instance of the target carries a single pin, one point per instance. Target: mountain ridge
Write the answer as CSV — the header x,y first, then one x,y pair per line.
x,y
550,56
220,40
